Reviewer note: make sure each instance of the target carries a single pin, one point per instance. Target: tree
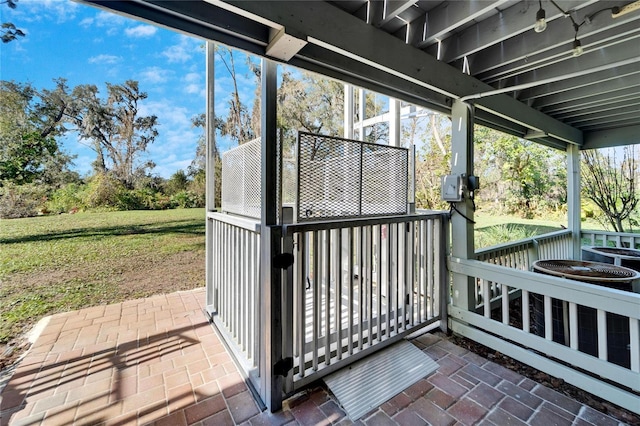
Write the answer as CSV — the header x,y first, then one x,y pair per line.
x,y
30,121
116,133
432,134
527,175
612,184
8,31
238,124
179,181
309,103
197,169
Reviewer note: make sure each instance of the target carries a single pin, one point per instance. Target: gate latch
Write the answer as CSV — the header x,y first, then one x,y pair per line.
x,y
282,367
282,260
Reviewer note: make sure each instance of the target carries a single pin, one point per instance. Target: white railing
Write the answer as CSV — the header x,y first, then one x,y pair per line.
x,y
586,312
520,255
359,284
236,276
610,239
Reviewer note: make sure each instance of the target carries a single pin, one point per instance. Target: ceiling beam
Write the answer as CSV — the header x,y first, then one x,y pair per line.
x,y
494,29
573,109
391,9
614,111
336,31
549,94
612,137
612,117
443,19
595,103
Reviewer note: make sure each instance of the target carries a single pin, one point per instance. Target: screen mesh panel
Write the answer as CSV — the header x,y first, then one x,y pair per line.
x,y
241,180
341,178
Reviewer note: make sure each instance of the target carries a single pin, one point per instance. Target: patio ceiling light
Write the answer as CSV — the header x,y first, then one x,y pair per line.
x,y
541,23
577,49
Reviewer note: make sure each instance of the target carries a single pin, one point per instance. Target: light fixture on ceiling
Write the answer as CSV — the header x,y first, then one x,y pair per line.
x,y
577,48
541,23
616,12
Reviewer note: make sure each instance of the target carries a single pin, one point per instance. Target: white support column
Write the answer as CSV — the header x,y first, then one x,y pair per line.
x,y
462,235
348,111
271,246
573,198
210,192
362,109
394,122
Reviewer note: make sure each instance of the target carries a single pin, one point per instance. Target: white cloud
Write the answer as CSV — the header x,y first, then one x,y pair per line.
x,y
104,59
42,11
105,20
193,89
193,84
183,50
192,77
108,19
86,22
154,75
141,31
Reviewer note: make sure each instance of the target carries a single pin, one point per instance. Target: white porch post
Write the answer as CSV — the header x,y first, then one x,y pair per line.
x,y
270,246
394,122
462,234
210,192
573,198
362,109
348,111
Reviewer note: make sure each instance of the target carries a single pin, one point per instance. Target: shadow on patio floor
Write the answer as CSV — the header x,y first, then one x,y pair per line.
x,y
158,361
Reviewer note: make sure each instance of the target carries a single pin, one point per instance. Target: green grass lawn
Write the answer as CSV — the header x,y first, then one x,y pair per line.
x,y
58,263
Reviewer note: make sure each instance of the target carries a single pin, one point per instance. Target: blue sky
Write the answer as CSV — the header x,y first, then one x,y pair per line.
x,y
86,45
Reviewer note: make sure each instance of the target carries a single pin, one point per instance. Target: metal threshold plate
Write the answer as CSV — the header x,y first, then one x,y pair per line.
x,y
368,383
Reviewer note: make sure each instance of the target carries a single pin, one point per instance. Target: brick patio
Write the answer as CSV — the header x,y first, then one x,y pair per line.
x,y
158,361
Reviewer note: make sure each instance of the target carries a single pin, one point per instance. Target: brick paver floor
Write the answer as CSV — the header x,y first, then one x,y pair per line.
x,y
158,361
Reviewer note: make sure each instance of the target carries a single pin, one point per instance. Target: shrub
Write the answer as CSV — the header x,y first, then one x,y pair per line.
x,y
142,199
66,199
135,199
187,200
103,191
500,234
21,200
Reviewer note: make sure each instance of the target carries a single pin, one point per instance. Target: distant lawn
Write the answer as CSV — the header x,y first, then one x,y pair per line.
x,y
493,230
59,263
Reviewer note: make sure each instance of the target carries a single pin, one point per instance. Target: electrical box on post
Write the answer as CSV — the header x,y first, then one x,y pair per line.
x,y
451,188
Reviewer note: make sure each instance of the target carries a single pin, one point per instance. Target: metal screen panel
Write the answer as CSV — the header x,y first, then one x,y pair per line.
x,y
384,180
341,178
288,177
241,179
